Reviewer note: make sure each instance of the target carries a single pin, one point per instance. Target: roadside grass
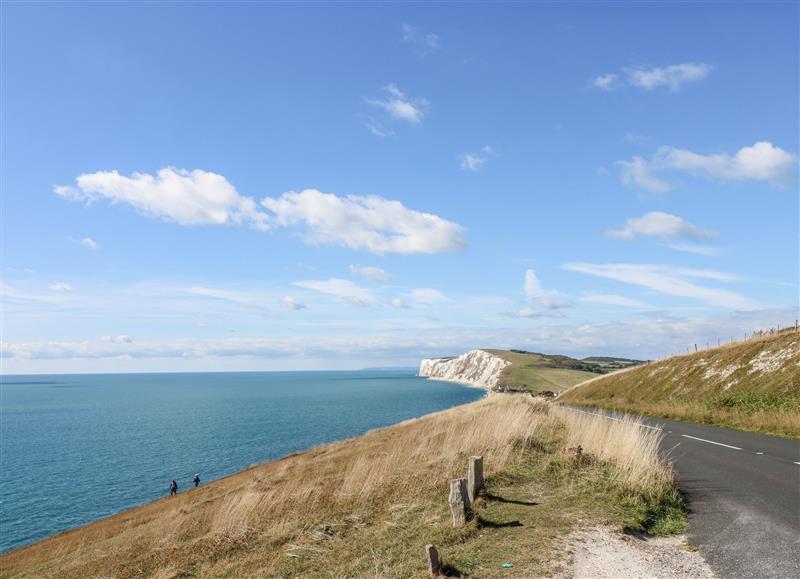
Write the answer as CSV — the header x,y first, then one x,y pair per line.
x,y
752,385
368,506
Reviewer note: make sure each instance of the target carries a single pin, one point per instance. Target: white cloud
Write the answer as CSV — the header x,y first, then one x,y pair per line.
x,y
399,304
89,243
243,299
60,286
185,197
605,81
672,76
648,338
613,300
475,161
423,42
694,248
343,289
638,173
122,339
378,129
663,225
549,299
427,295
400,106
358,222
372,223
761,161
527,313
291,303
670,281
368,272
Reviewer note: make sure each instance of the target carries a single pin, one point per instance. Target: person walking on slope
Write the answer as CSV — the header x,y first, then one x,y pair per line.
x,y
173,488
196,480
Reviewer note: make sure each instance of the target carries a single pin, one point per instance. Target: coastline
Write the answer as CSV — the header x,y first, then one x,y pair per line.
x,y
76,517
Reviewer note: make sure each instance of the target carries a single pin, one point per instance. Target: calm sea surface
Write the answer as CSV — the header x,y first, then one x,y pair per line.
x,y
75,448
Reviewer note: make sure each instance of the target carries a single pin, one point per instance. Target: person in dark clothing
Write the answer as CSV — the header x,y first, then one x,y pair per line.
x,y
173,488
196,479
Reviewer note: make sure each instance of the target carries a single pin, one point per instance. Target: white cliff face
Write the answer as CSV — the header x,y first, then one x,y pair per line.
x,y
475,368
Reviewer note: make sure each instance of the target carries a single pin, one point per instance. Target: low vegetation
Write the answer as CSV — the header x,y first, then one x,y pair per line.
x,y
367,506
752,385
537,373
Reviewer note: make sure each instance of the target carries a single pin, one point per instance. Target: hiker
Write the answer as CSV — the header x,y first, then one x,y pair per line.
x,y
173,488
196,480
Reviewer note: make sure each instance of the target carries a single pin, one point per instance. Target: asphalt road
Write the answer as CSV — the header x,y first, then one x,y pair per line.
x,y
743,493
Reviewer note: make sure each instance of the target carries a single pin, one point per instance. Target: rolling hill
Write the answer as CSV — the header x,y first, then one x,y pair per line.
x,y
751,385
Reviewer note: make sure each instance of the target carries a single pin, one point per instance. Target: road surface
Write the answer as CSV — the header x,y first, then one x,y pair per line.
x,y
743,492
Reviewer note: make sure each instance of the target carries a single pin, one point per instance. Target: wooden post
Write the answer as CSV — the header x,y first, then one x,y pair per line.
x,y
695,347
434,564
459,501
474,477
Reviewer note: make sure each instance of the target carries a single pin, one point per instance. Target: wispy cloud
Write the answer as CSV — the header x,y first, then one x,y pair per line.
x,y
423,42
695,248
121,339
369,272
549,299
196,197
378,129
60,286
292,303
670,281
653,337
605,81
475,161
672,76
613,300
761,161
638,173
663,225
343,289
400,106
427,295
86,242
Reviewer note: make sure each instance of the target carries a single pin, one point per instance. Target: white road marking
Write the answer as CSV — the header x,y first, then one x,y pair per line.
x,y
797,463
759,453
711,442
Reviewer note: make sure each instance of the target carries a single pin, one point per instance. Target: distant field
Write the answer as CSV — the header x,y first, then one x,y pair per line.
x,y
536,373
752,385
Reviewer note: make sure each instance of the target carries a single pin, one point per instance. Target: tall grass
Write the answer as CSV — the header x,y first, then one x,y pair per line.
x,y
279,518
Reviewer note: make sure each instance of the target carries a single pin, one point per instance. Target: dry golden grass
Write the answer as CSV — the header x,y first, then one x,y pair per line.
x,y
751,385
367,506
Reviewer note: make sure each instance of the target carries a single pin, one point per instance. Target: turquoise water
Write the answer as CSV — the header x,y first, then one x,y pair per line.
x,y
75,448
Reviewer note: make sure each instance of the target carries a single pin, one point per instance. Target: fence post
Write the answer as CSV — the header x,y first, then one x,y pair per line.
x,y
458,501
434,564
474,477
695,347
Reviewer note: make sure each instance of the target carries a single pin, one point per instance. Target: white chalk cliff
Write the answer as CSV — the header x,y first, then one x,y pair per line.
x,y
476,368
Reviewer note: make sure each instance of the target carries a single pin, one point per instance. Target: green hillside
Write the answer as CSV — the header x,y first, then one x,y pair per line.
x,y
752,385
535,372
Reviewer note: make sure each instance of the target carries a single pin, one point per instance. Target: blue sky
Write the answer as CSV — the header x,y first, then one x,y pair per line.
x,y
273,186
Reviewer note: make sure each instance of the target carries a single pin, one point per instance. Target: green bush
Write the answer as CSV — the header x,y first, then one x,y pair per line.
x,y
756,402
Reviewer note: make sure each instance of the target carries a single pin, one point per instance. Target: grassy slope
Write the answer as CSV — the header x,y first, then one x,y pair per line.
x,y
367,506
535,372
752,385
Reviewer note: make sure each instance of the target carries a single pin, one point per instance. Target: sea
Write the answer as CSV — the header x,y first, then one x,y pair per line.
x,y
76,448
